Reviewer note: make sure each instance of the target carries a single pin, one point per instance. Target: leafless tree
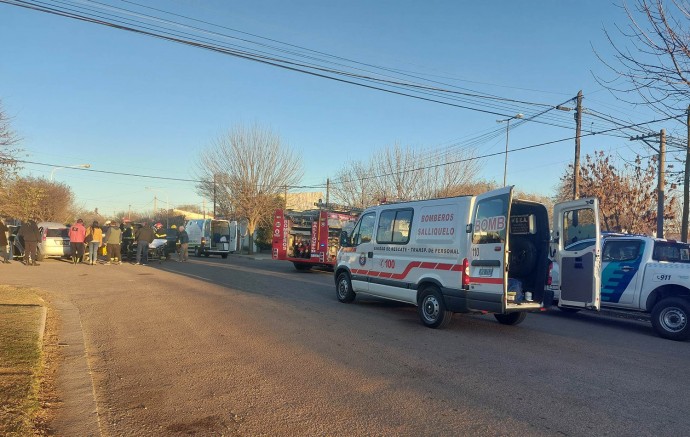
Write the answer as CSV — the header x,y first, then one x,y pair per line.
x,y
8,150
403,173
250,168
651,66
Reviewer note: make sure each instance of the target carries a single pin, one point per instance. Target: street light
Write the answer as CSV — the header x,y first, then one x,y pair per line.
x,y
68,166
507,121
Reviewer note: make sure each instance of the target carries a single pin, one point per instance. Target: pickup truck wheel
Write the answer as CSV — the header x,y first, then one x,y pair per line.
x,y
432,309
670,319
511,318
343,288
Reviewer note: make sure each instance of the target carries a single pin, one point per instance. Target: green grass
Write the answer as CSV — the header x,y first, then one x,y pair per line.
x,y
20,360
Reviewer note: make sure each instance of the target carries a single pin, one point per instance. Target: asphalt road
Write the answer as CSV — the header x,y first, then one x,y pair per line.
x,y
253,347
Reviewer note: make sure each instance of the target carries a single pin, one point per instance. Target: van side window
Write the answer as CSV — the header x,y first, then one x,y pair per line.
x,y
490,222
364,231
394,226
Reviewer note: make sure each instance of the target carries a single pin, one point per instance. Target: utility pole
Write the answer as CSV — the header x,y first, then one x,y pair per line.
x,y
660,186
578,132
155,206
662,176
328,190
214,195
686,188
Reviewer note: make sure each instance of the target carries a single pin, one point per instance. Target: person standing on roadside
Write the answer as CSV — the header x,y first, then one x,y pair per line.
x,y
113,240
183,240
144,237
4,233
77,234
94,238
31,235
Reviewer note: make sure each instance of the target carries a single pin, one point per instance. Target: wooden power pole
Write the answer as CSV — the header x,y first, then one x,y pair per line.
x,y
662,177
578,134
686,188
660,186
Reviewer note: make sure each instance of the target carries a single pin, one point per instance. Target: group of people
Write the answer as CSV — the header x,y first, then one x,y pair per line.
x,y
94,237
89,240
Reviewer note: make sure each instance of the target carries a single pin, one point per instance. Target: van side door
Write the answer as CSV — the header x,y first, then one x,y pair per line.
x,y
359,257
487,255
580,270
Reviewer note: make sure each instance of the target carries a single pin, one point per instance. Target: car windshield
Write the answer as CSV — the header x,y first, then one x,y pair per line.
x,y
60,233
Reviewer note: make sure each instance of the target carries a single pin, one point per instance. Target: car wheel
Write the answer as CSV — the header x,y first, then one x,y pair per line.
x,y
511,318
432,309
670,319
39,256
343,288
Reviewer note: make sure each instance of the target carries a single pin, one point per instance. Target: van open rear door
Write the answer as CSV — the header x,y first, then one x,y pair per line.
x,y
487,255
580,270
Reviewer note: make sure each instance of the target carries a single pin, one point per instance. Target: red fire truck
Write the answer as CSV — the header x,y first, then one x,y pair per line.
x,y
310,238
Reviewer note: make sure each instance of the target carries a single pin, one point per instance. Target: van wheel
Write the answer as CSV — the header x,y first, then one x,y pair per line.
x,y
343,288
432,309
670,319
511,318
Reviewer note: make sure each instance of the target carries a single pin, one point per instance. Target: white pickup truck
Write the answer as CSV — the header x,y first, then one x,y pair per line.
x,y
630,273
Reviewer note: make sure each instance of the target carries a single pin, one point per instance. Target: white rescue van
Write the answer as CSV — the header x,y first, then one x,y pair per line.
x,y
486,253
212,237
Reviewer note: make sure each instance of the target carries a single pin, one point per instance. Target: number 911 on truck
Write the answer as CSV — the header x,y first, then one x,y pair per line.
x,y
485,254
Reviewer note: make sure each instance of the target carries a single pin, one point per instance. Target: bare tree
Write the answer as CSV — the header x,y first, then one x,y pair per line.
x,y
652,66
8,153
403,173
351,186
627,195
250,168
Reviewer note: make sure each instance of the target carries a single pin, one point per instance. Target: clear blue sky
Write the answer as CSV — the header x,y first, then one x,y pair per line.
x,y
123,102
